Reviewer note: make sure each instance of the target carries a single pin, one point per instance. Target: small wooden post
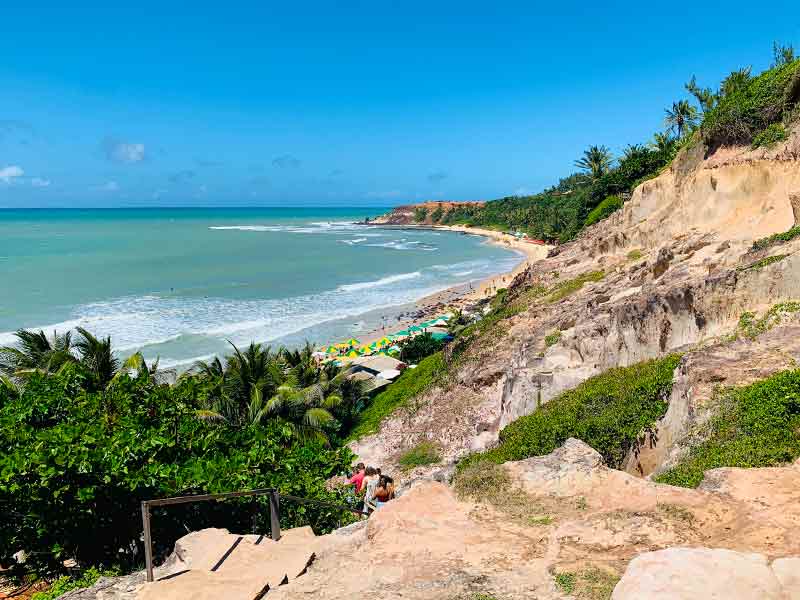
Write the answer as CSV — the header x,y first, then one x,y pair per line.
x,y
148,542
274,515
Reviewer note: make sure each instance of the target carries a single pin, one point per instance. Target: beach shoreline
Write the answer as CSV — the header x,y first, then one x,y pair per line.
x,y
458,296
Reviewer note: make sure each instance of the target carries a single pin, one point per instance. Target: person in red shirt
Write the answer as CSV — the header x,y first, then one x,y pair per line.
x,y
357,479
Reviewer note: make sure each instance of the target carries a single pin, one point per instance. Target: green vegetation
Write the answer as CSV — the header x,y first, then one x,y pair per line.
x,y
747,106
565,582
757,426
776,238
635,255
589,584
596,161
83,439
751,327
764,262
436,215
552,338
410,384
414,349
603,210
424,453
489,483
65,584
771,135
420,214
681,118
609,412
569,287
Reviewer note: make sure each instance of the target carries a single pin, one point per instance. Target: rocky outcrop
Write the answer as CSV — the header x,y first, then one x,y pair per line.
x,y
672,271
690,573
406,214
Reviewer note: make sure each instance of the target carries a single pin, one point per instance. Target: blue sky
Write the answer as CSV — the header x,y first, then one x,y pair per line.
x,y
344,104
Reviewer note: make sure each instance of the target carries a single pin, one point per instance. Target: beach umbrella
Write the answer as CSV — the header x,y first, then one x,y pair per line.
x,y
385,341
352,342
365,350
415,328
353,354
332,350
438,322
400,334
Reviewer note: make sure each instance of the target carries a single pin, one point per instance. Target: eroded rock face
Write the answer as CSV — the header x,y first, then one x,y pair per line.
x,y
678,274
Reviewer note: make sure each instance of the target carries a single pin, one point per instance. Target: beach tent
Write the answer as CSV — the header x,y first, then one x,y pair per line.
x,y
415,329
440,322
441,336
401,334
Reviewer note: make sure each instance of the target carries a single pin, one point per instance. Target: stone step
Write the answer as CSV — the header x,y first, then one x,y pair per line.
x,y
214,564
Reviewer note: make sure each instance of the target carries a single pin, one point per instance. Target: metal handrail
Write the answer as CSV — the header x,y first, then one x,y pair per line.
x,y
274,513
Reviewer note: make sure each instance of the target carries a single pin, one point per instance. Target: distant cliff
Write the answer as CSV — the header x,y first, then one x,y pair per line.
x,y
424,213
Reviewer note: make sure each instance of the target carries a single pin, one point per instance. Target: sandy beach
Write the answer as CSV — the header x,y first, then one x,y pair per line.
x,y
461,295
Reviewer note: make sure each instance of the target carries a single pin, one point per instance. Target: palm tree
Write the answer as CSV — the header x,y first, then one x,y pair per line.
x,y
704,96
36,352
782,55
662,142
97,357
596,161
734,82
307,410
681,117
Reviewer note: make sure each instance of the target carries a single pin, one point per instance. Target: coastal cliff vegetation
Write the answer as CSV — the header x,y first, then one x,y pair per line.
x,y
745,109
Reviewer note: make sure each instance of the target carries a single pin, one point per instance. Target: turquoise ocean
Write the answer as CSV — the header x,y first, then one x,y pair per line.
x,y
178,284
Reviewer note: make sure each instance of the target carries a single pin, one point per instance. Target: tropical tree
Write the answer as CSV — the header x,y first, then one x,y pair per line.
x,y
736,81
705,97
662,142
36,352
682,117
97,357
782,55
596,161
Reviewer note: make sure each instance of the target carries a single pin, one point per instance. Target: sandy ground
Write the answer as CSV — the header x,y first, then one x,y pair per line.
x,y
458,296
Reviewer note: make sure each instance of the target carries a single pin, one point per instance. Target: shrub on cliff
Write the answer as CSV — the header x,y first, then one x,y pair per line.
x,y
75,464
757,426
603,210
609,412
414,349
748,106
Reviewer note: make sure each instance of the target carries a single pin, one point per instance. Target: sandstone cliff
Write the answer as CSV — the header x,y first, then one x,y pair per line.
x,y
672,270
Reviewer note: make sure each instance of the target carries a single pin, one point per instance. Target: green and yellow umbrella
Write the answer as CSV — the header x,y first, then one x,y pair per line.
x,y
352,342
353,354
384,341
332,350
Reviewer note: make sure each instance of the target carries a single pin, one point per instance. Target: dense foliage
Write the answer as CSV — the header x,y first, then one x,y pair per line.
x,y
748,106
75,462
609,412
414,349
757,426
603,210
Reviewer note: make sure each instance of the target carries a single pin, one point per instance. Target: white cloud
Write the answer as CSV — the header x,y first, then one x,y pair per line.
x,y
124,152
39,182
8,174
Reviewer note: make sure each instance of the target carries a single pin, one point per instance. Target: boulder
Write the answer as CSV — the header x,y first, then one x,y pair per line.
x,y
711,574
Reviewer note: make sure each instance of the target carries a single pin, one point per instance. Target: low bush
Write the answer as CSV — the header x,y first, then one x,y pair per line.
x,y
771,135
609,412
552,338
764,262
424,453
776,238
410,384
414,349
745,113
604,209
567,288
751,326
757,426
420,214
65,584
